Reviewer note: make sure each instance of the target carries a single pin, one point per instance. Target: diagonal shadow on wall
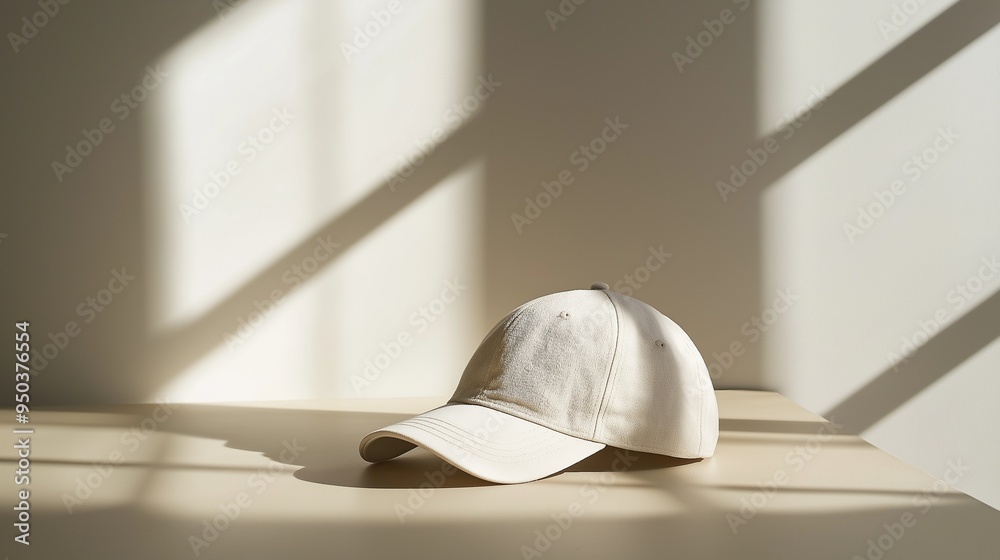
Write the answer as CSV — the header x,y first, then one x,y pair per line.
x,y
176,350
898,384
915,57
904,65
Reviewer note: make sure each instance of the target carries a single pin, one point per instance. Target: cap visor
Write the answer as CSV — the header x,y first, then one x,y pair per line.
x,y
483,442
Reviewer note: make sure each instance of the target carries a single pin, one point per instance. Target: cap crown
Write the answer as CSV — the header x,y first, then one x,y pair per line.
x,y
601,366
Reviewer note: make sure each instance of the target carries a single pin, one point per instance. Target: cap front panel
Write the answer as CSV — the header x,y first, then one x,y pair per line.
x,y
547,362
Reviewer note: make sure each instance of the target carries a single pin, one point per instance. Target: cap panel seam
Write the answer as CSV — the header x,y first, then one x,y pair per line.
x,y
701,410
612,366
703,391
512,318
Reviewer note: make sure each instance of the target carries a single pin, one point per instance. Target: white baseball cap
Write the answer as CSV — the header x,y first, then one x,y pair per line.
x,y
556,381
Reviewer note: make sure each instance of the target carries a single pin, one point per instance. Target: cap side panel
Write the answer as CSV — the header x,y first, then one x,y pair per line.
x,y
658,400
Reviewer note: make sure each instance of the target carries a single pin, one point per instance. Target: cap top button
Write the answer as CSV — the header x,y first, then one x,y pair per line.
x,y
599,286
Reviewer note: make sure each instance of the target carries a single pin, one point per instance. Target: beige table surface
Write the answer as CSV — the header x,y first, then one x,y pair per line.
x,y
143,481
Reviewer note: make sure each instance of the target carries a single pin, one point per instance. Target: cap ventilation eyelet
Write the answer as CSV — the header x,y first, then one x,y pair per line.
x,y
660,343
564,315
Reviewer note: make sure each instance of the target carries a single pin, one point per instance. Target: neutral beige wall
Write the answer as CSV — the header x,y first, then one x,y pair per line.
x,y
418,260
